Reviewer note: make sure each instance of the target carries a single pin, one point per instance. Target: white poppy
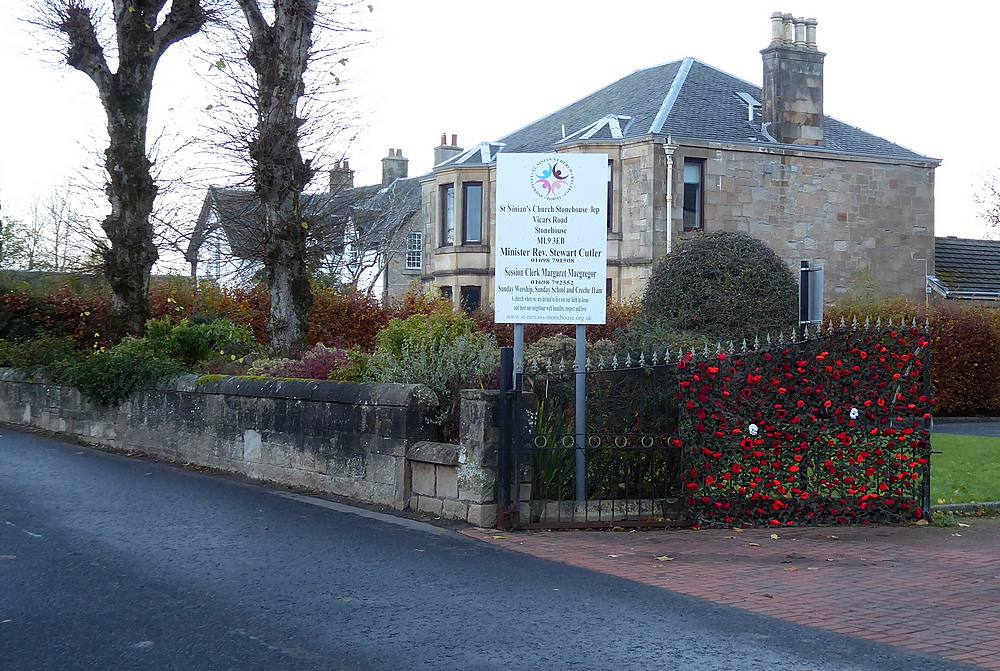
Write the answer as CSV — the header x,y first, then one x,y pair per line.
x,y
753,429
854,413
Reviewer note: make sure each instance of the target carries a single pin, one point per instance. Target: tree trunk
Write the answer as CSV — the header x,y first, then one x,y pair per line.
x,y
279,55
291,298
129,259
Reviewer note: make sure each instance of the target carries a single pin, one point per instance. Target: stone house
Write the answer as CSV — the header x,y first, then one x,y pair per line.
x,y
692,149
358,234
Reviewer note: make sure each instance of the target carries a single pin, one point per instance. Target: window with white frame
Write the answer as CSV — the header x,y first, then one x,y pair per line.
x,y
414,250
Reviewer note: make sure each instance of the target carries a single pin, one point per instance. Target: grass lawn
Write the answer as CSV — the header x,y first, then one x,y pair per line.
x,y
966,471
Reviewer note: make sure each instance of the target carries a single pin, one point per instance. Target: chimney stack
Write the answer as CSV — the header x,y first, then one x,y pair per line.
x,y
793,81
444,151
394,166
341,177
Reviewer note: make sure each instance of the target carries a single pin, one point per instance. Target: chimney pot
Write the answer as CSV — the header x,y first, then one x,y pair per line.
x,y
800,33
444,139
811,34
776,28
347,166
454,140
787,29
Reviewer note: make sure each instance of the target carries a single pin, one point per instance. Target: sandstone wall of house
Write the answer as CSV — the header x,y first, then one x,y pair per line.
x,y
368,442
870,223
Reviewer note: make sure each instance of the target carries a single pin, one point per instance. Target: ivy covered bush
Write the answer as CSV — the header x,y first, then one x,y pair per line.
x,y
720,285
441,350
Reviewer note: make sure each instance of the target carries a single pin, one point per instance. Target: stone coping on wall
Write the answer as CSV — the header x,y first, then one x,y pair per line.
x,y
408,396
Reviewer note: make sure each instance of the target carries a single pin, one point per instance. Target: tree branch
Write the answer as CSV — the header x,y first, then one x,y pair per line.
x,y
74,18
255,18
186,17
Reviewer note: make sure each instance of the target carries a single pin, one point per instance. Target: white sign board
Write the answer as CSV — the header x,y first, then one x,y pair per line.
x,y
551,238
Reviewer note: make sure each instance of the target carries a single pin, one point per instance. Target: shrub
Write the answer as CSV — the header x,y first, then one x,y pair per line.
x,y
37,355
109,377
348,318
356,368
724,285
440,350
965,360
192,344
316,364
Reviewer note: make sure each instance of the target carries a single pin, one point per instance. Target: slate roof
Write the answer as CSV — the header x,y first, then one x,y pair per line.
x,y
965,266
695,101
241,218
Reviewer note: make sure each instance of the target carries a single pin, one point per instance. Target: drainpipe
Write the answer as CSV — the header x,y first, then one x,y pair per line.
x,y
669,149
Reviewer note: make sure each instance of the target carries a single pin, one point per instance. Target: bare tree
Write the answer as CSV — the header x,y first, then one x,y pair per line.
x,y
143,32
988,200
288,110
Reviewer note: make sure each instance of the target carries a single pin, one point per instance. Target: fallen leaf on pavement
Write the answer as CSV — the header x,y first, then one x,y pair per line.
x,y
812,568
789,568
922,523
664,558
753,545
963,524
832,537
775,537
614,556
957,535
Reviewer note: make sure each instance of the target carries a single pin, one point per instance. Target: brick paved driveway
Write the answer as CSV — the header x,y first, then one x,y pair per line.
x,y
932,590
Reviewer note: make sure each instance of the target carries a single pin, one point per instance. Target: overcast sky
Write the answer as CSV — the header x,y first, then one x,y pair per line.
x,y
916,73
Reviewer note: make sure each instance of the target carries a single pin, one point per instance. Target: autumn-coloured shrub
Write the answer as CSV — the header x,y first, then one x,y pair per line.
x,y
348,318
26,314
965,345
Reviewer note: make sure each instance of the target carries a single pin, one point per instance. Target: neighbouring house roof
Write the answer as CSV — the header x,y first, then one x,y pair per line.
x,y
966,269
239,215
685,99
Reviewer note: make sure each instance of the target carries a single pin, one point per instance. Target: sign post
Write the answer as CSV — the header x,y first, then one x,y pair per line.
x,y
551,257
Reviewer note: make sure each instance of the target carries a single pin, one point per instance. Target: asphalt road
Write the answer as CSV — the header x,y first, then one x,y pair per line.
x,y
108,562
986,429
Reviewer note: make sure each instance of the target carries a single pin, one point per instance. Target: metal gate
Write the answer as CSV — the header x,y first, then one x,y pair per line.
x,y
625,471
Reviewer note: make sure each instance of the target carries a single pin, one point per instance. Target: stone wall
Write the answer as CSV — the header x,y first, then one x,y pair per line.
x,y
869,223
369,442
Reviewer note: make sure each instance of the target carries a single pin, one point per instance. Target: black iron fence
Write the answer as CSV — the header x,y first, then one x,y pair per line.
x,y
838,421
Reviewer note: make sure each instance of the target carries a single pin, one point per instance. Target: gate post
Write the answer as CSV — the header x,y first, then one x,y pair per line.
x,y
505,449
928,424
